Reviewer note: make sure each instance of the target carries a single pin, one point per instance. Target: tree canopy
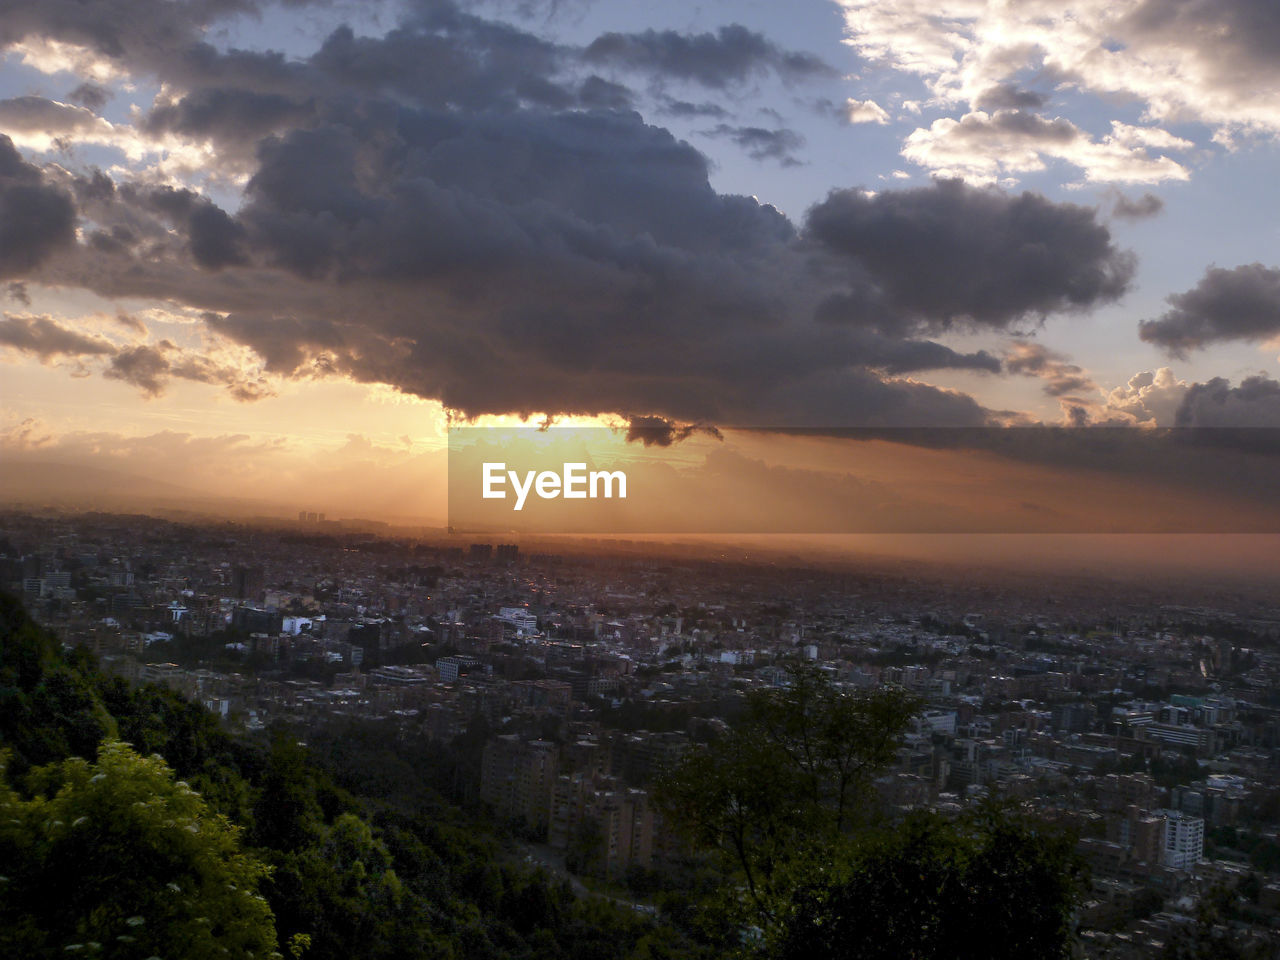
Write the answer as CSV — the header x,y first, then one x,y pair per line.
x,y
989,885
784,784
117,859
784,801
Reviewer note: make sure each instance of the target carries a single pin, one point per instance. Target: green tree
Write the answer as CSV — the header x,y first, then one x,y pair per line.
x,y
116,859
990,885
814,873
785,784
343,892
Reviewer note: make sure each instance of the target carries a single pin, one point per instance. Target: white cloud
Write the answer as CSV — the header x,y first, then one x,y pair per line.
x,y
1198,60
54,56
1215,62
987,148
865,111
47,126
1148,397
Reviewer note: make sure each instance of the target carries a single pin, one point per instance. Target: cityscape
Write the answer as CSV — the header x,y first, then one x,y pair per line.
x,y
1140,719
582,480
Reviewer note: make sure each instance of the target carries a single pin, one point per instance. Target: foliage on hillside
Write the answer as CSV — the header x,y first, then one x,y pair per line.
x,y
387,869
366,845
784,800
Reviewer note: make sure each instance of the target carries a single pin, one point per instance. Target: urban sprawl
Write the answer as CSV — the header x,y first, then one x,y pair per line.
x,y
1147,724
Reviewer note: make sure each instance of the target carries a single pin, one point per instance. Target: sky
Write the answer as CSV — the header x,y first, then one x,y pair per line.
x,y
272,250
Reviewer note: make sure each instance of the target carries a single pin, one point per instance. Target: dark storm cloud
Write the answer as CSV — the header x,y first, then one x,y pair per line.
x,y
762,144
135,33
144,367
661,432
949,252
1147,205
1235,40
448,59
226,115
452,198
116,240
1019,124
684,108
1215,403
1242,303
36,219
1005,96
730,55
600,94
214,238
90,95
434,209
38,114
1060,376
895,354
284,343
150,367
45,338
910,356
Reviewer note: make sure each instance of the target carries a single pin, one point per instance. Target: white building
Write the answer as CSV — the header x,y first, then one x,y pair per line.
x,y
525,623
1183,839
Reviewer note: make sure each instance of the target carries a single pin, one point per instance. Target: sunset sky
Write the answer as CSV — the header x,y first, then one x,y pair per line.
x,y
266,249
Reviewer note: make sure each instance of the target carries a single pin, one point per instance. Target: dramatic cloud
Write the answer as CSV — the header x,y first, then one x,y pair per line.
x,y
1237,304
43,337
49,118
761,144
36,219
1150,397
150,368
144,367
596,93
1216,61
1160,399
945,253
684,108
1255,403
90,95
660,432
1060,376
731,55
451,209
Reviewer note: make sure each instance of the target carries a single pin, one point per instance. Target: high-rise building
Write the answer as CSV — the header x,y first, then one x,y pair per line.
x,y
247,583
622,816
1183,839
516,779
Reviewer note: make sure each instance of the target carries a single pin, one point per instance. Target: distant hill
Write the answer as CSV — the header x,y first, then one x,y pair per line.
x,y
78,487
